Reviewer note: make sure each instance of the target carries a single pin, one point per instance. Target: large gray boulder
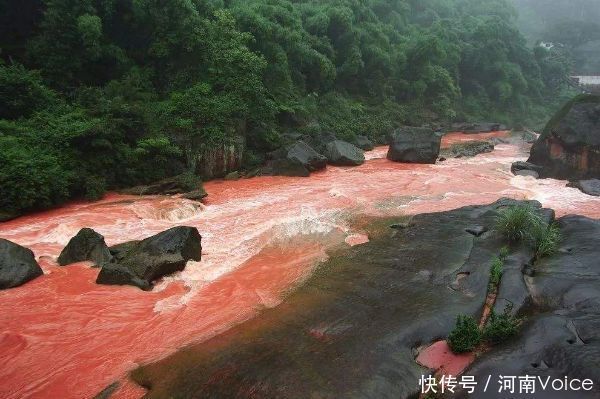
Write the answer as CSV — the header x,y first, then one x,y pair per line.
x,y
286,167
17,265
87,245
307,156
139,263
342,153
569,146
364,143
414,145
297,159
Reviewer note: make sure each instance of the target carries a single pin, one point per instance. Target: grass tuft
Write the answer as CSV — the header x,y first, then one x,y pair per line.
x,y
501,327
465,336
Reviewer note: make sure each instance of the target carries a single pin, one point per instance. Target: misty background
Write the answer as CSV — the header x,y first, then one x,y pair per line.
x,y
571,26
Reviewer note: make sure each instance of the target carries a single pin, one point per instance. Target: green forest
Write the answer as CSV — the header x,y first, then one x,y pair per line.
x,y
104,94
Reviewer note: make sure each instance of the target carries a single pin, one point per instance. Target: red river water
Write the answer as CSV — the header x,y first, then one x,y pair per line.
x,y
63,336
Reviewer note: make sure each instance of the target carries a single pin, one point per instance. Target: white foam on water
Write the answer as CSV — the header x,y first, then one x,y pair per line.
x,y
224,257
553,193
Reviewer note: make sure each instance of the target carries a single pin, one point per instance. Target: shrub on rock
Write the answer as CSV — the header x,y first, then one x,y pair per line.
x,y
465,336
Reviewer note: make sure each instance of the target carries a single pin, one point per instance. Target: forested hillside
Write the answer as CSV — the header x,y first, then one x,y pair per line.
x,y
101,94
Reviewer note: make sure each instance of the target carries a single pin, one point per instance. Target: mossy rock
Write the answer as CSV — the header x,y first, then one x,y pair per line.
x,y
562,113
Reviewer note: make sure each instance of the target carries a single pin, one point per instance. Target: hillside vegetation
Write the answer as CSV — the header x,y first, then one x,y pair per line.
x,y
101,94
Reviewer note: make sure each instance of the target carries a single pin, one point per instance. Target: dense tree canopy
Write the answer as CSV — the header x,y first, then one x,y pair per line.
x,y
98,94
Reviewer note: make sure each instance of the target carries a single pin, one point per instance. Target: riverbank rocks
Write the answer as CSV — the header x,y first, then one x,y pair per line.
x,y
521,168
364,143
87,245
560,336
569,146
17,265
186,184
297,159
468,149
139,263
342,153
589,187
414,145
478,127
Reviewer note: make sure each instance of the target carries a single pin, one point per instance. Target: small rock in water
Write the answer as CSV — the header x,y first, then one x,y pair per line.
x,y
196,195
233,176
400,226
524,172
589,187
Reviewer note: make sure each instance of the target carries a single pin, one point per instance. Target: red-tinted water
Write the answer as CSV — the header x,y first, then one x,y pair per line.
x,y
63,336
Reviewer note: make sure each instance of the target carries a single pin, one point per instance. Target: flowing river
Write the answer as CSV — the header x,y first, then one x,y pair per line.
x,y
63,336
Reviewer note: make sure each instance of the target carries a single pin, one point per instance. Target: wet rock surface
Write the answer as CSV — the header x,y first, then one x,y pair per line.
x,y
139,263
169,186
561,337
87,245
479,127
569,147
525,169
297,159
342,153
414,145
590,187
351,329
17,265
364,143
468,149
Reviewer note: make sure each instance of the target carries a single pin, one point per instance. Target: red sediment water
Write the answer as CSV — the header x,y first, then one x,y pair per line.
x,y
63,336
439,357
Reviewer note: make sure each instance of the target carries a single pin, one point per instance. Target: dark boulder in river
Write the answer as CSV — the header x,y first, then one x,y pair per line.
x,y
364,143
307,156
569,146
180,184
414,145
87,245
468,149
286,167
297,159
139,263
525,169
342,153
589,187
17,265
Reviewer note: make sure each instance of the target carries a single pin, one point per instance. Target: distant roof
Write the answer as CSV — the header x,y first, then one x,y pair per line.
x,y
588,80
